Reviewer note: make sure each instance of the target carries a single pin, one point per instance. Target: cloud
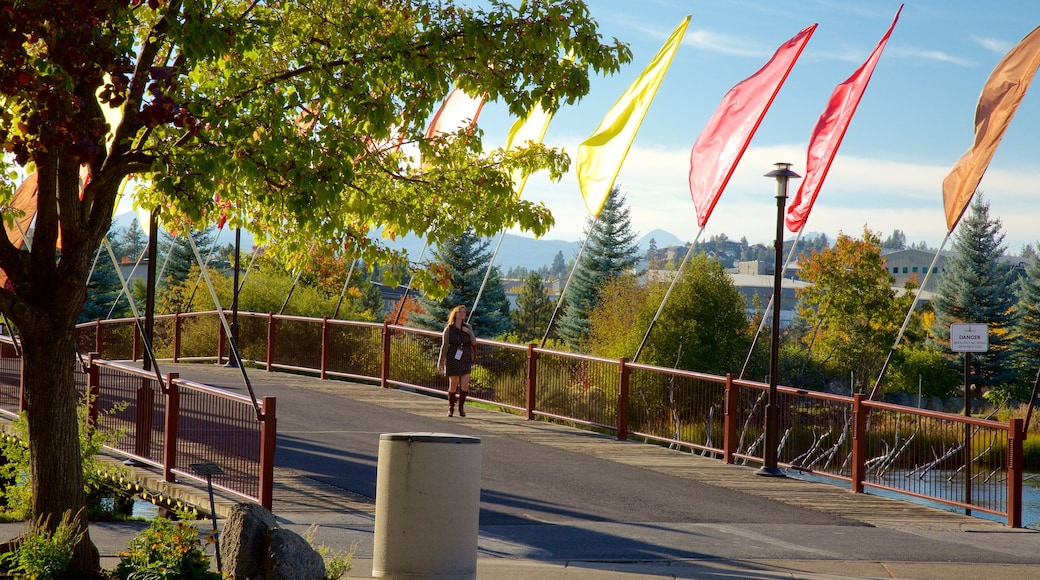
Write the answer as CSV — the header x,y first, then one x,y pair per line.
x,y
992,44
929,55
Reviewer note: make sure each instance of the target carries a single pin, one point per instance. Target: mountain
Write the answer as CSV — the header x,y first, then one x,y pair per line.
x,y
516,251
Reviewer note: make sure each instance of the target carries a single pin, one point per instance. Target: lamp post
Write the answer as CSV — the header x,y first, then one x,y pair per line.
x,y
233,360
769,468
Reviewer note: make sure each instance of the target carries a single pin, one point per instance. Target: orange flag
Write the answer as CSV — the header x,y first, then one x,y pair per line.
x,y
1000,97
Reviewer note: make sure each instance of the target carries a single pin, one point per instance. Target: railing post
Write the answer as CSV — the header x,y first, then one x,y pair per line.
x,y
97,335
325,336
176,336
729,421
270,341
173,413
22,405
384,367
859,443
268,437
622,411
93,389
532,381
145,407
221,339
137,343
1016,437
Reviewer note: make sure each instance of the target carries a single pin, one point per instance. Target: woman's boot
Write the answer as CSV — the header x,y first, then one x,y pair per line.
x,y
451,406
462,401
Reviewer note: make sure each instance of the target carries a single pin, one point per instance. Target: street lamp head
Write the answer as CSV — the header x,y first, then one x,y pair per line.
x,y
783,170
782,173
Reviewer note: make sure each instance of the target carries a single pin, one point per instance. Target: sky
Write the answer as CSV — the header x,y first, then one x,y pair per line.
x,y
915,120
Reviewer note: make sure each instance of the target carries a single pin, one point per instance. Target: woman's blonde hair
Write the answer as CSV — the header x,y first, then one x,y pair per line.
x,y
454,314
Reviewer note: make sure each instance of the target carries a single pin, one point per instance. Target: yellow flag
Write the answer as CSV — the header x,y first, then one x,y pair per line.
x,y
531,128
601,155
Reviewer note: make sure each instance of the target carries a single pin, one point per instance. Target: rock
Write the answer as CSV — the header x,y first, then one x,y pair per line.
x,y
254,547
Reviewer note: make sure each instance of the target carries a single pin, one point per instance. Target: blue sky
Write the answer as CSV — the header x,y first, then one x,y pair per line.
x,y
915,120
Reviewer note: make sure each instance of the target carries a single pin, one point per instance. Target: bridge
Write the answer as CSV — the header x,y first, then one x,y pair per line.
x,y
569,474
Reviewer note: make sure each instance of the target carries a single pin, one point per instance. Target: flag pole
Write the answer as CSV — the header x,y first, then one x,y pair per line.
x,y
346,283
487,274
769,305
906,321
678,273
408,287
559,301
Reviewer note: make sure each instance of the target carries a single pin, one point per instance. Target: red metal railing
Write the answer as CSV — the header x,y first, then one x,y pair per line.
x,y
965,463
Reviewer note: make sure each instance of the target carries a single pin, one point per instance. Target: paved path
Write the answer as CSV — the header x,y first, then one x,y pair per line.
x,y
566,503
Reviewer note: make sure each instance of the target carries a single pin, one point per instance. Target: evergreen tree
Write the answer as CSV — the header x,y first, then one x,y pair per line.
x,y
132,242
533,310
611,250
1027,328
102,290
467,260
559,266
979,287
175,256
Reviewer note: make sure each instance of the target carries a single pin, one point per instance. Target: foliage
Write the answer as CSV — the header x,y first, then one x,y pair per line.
x,y
166,550
176,258
45,554
1027,327
925,367
534,309
851,307
465,261
979,287
610,251
619,319
337,564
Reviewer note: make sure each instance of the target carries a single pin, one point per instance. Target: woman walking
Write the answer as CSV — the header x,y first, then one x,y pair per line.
x,y
458,349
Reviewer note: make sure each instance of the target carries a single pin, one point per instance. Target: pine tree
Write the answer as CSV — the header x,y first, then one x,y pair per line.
x,y
1027,328
533,310
175,256
611,250
468,259
979,287
132,242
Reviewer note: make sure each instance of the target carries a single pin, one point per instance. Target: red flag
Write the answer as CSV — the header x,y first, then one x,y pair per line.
x,y
998,102
829,131
458,111
728,132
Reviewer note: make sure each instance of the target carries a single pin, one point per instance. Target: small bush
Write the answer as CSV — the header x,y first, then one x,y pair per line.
x,y
337,564
167,550
42,554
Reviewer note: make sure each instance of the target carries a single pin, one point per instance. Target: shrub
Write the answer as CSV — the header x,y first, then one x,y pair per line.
x,y
166,550
42,554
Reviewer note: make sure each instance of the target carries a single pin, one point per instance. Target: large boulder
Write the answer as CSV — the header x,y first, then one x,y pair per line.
x,y
254,547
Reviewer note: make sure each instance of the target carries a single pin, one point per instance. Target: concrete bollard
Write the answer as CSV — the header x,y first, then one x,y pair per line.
x,y
427,506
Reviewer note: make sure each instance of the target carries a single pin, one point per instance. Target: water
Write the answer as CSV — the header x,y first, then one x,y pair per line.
x,y
145,510
1030,498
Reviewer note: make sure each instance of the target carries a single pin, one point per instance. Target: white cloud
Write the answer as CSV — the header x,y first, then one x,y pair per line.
x,y
992,44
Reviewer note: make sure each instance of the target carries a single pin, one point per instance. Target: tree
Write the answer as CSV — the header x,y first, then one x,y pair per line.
x,y
610,251
465,263
132,242
278,108
533,310
559,267
176,258
895,241
851,308
979,287
1027,326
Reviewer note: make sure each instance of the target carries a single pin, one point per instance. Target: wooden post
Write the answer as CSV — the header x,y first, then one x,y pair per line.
x,y
268,437
622,412
177,336
532,381
143,428
729,421
1016,436
325,337
173,412
859,443
271,323
384,369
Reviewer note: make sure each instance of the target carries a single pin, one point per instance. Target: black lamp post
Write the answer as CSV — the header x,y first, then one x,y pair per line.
x,y
232,360
782,174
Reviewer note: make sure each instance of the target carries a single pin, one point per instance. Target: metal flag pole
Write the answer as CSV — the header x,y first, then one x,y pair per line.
x,y
769,305
906,321
487,275
346,283
559,301
660,308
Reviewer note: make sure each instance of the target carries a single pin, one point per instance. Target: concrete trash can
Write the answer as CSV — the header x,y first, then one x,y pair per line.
x,y
427,506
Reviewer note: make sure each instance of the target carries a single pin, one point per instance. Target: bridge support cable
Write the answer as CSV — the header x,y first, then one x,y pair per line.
x,y
346,284
769,306
678,273
906,321
227,329
408,287
487,274
209,256
567,284
137,315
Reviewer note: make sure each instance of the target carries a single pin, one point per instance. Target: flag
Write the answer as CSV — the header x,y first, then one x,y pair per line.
x,y
829,131
601,155
998,102
458,111
722,142
531,128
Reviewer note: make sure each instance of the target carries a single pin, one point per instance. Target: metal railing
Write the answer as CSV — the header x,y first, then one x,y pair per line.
x,y
958,461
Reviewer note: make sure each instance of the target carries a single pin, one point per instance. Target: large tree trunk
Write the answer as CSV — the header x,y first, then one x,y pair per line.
x,y
54,450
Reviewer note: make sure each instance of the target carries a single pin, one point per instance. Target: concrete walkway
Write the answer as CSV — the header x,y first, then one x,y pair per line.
x,y
561,502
